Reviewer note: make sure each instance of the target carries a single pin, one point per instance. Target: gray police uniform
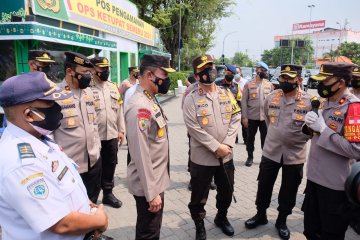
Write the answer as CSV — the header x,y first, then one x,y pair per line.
x,y
38,181
78,135
110,122
148,170
252,108
330,156
285,147
211,119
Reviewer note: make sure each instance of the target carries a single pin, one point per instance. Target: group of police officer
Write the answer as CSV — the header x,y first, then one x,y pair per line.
x,y
86,116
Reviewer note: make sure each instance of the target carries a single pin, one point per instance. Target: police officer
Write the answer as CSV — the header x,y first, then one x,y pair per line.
x,y
111,125
42,195
78,133
336,140
355,81
148,170
285,147
252,104
131,81
229,83
212,118
41,61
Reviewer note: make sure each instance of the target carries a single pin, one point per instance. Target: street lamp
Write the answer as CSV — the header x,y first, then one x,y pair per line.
x,y
223,56
311,7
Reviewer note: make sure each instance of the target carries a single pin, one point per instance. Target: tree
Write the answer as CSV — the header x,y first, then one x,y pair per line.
x,y
277,56
350,50
197,23
241,59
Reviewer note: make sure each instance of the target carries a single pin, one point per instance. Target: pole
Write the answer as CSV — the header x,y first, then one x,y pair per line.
x,y
223,60
227,178
179,52
311,7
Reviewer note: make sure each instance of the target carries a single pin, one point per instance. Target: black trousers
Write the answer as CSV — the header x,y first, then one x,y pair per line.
x,y
244,132
252,129
201,177
148,224
324,216
291,179
109,150
92,180
189,153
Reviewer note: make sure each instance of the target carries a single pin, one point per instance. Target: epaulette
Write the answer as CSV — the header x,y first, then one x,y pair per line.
x,y
148,95
25,150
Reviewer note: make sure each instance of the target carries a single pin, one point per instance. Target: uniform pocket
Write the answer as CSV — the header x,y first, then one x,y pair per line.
x,y
297,120
205,118
274,116
226,111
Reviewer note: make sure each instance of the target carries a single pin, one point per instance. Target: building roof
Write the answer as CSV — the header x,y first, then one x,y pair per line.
x,y
343,59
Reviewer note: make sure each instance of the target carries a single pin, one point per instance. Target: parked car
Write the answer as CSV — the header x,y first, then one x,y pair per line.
x,y
311,83
247,72
220,72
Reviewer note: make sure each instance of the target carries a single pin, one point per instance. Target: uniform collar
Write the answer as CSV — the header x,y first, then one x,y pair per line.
x,y
40,149
338,102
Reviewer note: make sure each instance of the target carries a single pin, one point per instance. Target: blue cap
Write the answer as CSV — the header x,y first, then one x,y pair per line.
x,y
30,87
262,65
231,68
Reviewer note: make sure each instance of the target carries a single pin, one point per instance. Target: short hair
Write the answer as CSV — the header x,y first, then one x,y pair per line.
x,y
144,68
67,65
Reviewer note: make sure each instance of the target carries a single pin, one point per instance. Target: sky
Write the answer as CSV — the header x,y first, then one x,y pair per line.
x,y
256,22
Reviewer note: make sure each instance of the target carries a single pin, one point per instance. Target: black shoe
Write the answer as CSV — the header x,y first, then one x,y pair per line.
x,y
189,187
200,230
283,231
258,219
224,225
212,186
249,162
111,200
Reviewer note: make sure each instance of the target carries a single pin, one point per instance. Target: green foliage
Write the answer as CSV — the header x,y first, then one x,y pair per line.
x,y
350,50
182,75
241,59
198,24
277,56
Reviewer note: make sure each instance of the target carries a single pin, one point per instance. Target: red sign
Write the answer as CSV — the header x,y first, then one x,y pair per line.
x,y
308,25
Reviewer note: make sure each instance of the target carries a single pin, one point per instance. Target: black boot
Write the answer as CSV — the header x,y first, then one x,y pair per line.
x,y
200,230
283,231
224,225
259,219
249,160
111,200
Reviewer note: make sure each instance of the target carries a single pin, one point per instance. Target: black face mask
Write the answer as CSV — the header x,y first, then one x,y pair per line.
x,y
103,75
163,84
136,75
229,77
83,79
45,69
262,75
325,91
355,84
52,119
287,87
207,76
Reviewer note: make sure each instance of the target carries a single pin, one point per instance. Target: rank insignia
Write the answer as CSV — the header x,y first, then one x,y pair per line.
x,y
148,95
272,119
253,95
299,117
342,100
38,189
25,150
205,121
200,91
67,101
71,122
203,112
227,108
201,101
228,116
337,112
161,132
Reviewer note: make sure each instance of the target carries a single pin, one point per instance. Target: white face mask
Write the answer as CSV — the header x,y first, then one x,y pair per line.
x,y
40,130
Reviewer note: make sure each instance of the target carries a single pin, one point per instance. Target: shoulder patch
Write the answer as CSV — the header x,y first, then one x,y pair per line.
x,y
143,117
38,189
25,151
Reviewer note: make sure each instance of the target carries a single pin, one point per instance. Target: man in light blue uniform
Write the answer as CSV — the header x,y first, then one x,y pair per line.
x,y
42,195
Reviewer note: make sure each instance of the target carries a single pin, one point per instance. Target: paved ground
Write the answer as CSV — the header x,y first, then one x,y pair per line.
x,y
177,223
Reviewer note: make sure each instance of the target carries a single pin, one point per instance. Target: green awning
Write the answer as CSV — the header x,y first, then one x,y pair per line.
x,y
38,31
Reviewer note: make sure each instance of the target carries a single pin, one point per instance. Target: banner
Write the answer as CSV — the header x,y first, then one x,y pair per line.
x,y
309,25
102,15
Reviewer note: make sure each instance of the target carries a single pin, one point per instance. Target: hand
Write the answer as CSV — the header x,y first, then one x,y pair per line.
x,y
155,204
245,122
223,151
319,125
121,138
102,218
310,118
